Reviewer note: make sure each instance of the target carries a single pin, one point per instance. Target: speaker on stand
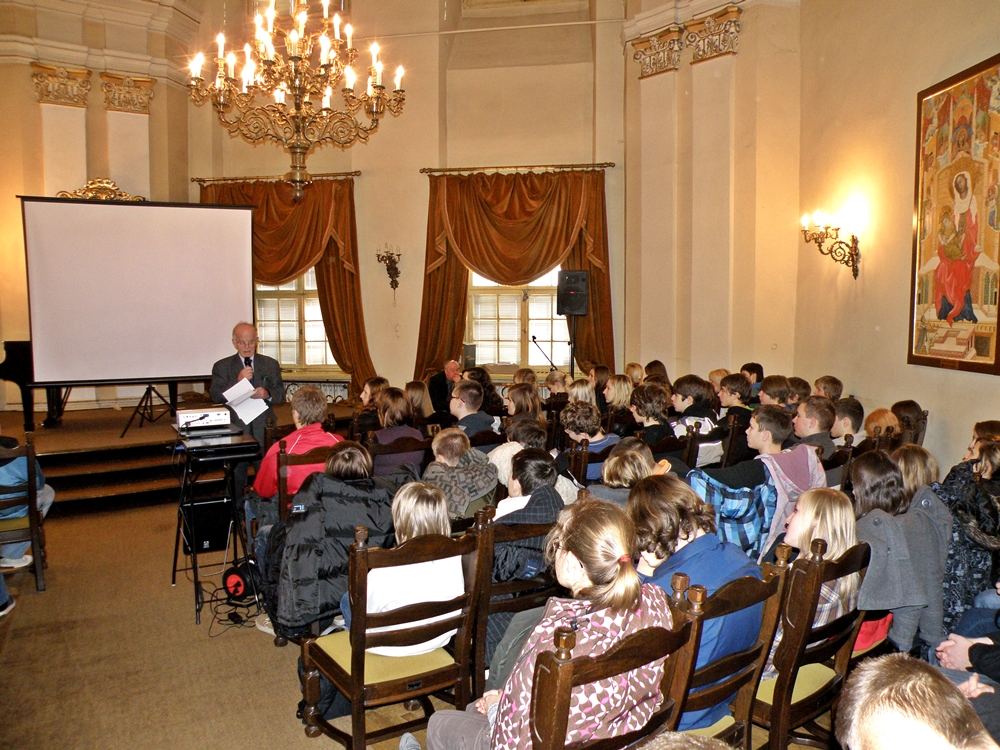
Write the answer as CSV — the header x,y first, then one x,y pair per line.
x,y
571,301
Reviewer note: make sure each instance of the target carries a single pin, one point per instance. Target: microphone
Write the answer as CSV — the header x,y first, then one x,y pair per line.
x,y
547,359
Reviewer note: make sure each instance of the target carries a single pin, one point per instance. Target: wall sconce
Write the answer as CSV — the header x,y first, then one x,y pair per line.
x,y
390,260
848,253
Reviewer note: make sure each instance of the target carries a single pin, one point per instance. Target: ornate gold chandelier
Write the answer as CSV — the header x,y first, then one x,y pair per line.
x,y
293,119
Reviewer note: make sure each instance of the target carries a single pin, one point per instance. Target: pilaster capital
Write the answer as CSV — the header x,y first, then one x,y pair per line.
x,y
714,35
127,93
59,85
660,52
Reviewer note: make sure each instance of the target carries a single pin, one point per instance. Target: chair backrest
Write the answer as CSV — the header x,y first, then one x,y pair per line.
x,y
580,458
616,417
738,673
28,491
556,435
273,432
486,437
920,429
802,643
317,456
557,673
509,596
669,444
369,630
694,441
404,445
729,442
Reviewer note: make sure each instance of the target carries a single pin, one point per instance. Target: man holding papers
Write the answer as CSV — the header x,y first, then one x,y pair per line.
x,y
248,383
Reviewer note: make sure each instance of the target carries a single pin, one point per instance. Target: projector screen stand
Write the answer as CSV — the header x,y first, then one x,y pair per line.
x,y
145,408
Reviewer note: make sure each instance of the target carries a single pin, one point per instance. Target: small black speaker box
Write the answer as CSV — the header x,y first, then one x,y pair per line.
x,y
468,356
210,520
571,294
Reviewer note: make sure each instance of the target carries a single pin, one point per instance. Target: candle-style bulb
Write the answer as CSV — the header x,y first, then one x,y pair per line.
x,y
326,8
378,73
374,49
369,90
349,31
324,49
349,77
336,25
221,41
399,78
805,221
269,15
231,64
196,64
246,53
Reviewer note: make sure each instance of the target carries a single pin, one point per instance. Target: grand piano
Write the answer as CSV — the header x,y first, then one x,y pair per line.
x,y
18,367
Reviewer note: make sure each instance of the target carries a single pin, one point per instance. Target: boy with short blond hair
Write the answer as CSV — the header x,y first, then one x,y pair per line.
x,y
828,386
466,477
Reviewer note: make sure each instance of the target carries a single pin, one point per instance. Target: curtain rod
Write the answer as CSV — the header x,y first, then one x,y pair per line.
x,y
326,175
601,165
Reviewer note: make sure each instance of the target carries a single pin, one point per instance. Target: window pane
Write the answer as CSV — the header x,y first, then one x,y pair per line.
x,y
291,286
484,305
509,305
316,353
560,331
535,358
268,348
267,309
315,332
478,280
540,328
266,288
267,331
560,354
288,331
485,329
486,353
312,309
309,280
289,309
509,353
540,306
510,330
549,279
289,353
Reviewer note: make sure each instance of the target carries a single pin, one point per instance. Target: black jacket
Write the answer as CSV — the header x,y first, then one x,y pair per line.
x,y
523,559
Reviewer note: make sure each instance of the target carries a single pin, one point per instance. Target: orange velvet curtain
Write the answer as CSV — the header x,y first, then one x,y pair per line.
x,y
512,228
319,231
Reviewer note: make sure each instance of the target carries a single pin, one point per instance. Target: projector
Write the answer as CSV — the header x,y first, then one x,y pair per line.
x,y
210,416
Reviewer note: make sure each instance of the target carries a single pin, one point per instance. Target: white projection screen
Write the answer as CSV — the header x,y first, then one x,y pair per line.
x,y
134,292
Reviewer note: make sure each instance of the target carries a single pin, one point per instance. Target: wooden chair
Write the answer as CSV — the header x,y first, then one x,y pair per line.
x,y
738,674
580,459
273,433
509,596
371,680
316,457
841,458
404,445
806,685
615,418
27,528
920,428
686,446
556,435
557,673
729,442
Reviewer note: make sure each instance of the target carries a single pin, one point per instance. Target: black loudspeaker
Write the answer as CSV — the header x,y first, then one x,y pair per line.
x,y
211,521
571,298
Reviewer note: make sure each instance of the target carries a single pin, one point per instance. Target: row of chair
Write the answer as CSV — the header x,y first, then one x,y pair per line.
x,y
812,662
27,528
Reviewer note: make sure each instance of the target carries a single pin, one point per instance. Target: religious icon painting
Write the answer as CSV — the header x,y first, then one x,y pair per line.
x,y
956,231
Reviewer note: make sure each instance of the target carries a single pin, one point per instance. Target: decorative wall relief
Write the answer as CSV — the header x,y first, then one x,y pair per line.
x,y
956,239
127,93
100,189
660,52
715,35
58,85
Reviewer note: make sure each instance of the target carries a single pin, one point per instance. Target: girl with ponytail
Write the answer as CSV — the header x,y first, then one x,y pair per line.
x,y
591,548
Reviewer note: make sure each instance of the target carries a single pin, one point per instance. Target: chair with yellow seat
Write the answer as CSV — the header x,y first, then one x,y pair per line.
x,y
812,662
737,674
371,680
27,528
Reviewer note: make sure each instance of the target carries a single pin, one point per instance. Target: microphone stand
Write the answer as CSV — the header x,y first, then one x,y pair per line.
x,y
547,359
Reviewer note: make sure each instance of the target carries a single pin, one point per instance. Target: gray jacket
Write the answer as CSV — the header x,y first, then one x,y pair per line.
x,y
473,477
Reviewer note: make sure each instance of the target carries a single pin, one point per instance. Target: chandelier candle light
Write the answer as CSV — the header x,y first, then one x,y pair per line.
x,y
293,119
848,253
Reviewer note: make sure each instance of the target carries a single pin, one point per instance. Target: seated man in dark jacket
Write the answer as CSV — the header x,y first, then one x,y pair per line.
x,y
533,500
312,557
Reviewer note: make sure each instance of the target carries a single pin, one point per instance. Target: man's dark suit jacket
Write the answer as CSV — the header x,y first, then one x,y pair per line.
x,y
440,389
266,374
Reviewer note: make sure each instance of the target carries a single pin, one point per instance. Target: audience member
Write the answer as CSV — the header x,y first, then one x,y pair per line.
x,y
691,400
523,403
813,420
525,375
582,422
775,390
442,383
466,477
755,374
395,414
801,390
715,378
822,514
591,549
975,525
908,413
634,372
491,399
14,472
263,373
582,390
367,419
656,368
734,394
618,394
598,377
828,386
466,400
849,420
896,701
309,551
527,434
622,471
879,421
420,399
649,407
308,413
557,382
676,533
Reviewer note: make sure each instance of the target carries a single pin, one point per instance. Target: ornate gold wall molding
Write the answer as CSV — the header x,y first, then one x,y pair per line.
x,y
58,85
127,93
715,35
660,52
101,189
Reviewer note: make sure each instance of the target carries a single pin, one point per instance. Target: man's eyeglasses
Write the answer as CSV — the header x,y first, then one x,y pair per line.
x,y
239,342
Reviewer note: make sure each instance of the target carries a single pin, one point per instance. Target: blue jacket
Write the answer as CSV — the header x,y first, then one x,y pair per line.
x,y
14,472
712,563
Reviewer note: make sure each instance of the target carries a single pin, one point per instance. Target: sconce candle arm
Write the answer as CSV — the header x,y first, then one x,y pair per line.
x,y
842,251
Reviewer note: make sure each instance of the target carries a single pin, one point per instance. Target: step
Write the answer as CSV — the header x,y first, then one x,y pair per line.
x,y
104,467
207,482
